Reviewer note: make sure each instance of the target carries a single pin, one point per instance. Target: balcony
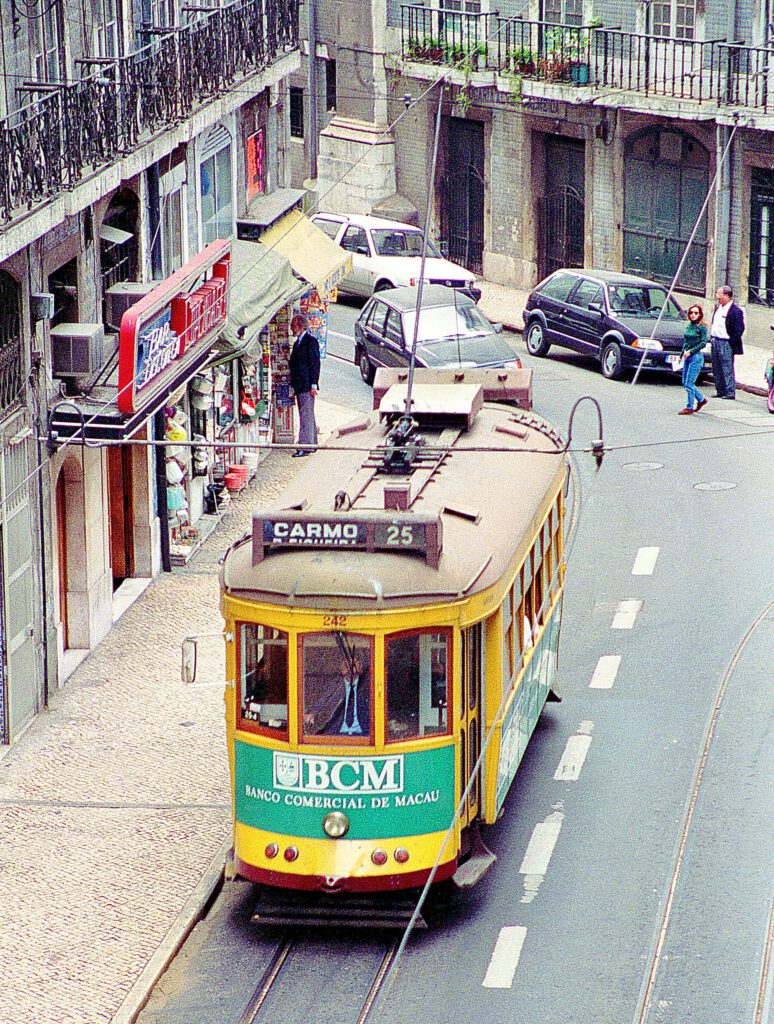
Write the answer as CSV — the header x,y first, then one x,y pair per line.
x,y
716,72
69,131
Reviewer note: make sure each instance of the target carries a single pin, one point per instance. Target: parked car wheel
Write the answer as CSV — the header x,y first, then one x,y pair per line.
x,y
382,286
612,362
366,367
536,339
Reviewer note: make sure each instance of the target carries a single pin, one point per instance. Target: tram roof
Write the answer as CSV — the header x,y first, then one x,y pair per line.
x,y
487,501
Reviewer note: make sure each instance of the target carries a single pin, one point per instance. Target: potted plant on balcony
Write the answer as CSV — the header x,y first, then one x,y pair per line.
x,y
522,60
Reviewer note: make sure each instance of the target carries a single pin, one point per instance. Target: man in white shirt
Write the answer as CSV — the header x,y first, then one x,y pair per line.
x,y
726,342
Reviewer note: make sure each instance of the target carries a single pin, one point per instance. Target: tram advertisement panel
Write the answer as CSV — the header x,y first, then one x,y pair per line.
x,y
388,795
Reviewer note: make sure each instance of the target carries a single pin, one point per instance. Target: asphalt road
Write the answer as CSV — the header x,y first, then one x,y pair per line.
x,y
634,874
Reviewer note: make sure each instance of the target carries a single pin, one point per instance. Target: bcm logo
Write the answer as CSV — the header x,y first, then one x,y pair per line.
x,y
303,773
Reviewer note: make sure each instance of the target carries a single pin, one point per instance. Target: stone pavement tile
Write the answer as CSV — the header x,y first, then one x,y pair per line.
x,y
87,895
116,799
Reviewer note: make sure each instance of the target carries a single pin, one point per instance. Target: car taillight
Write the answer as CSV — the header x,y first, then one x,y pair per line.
x,y
412,282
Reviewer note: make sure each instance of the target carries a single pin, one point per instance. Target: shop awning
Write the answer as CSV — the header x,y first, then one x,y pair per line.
x,y
262,282
312,254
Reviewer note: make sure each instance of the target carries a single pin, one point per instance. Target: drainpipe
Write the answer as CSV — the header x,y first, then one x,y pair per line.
x,y
160,453
312,89
723,211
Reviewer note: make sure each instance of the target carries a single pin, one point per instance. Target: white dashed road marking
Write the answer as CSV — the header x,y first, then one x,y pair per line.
x,y
505,958
626,614
645,562
574,755
605,672
538,854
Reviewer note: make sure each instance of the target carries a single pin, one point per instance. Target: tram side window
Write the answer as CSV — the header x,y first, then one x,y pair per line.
x,y
417,681
263,676
337,685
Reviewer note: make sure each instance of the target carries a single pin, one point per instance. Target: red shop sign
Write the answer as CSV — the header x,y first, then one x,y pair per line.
x,y
165,331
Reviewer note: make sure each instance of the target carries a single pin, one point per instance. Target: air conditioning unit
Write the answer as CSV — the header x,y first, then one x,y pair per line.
x,y
77,350
119,297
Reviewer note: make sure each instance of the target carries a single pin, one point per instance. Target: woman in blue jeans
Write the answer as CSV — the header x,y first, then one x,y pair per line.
x,y
694,340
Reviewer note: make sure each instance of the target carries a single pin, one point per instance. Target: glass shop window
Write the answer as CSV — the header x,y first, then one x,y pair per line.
x,y
262,654
417,677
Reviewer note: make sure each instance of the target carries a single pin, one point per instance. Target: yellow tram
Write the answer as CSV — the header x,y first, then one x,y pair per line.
x,y
397,605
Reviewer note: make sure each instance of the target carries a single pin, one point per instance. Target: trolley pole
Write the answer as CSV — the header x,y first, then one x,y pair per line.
x,y
420,286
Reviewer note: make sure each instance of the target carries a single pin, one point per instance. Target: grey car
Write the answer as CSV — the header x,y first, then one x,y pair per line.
x,y
452,332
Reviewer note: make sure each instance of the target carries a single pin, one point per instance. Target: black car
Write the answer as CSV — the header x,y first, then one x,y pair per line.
x,y
452,332
609,316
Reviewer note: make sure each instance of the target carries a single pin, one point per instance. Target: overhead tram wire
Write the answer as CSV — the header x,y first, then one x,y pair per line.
x,y
87,421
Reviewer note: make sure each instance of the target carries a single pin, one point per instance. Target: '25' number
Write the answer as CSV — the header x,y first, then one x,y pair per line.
x,y
400,535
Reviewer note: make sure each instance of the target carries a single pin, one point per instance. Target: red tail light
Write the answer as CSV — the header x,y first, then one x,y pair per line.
x,y
401,855
271,850
291,854
379,857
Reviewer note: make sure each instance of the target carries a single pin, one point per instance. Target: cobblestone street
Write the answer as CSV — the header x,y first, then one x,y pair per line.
x,y
116,800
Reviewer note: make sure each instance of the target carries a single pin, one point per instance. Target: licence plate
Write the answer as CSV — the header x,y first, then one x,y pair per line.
x,y
675,362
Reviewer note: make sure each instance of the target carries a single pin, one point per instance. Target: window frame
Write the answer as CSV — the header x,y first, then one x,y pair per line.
x,y
334,739
247,724
353,228
296,111
449,632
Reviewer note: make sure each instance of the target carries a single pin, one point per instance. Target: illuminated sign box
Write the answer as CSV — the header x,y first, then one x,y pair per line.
x,y
167,329
376,531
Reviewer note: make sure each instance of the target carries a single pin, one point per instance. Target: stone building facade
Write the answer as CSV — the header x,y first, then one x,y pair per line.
x,y
132,134
573,133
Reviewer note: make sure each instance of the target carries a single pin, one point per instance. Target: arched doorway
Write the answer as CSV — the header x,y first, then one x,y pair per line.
x,y
666,175
118,239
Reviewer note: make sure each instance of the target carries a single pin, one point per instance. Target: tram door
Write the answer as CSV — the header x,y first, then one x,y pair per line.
x,y
470,715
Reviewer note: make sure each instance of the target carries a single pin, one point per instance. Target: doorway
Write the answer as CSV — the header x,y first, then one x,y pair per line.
x,y
473,673
562,209
464,193
61,538
121,516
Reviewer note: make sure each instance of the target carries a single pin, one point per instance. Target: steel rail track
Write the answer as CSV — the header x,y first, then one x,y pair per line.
x,y
655,963
288,944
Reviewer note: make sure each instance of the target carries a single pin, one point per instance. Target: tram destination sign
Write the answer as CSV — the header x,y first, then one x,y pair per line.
x,y
366,531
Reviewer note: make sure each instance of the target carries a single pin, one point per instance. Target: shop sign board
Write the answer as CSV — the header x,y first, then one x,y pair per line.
x,y
377,531
169,327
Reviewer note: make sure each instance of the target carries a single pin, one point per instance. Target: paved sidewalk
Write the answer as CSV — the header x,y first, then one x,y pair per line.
x,y
114,805
506,305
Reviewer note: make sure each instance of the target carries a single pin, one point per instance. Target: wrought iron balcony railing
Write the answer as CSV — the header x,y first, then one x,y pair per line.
x,y
64,133
716,71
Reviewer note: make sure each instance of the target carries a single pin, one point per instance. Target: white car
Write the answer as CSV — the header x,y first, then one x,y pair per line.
x,y
387,254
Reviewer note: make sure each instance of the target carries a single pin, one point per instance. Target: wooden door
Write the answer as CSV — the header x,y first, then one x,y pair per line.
x,y
120,497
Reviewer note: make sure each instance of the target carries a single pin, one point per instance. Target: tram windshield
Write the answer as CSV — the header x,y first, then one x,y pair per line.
x,y
263,676
417,681
337,685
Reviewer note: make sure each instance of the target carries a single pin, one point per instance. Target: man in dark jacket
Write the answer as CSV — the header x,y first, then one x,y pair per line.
x,y
726,339
304,379
346,707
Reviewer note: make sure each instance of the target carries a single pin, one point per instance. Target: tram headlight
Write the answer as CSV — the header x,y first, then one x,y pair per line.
x,y
336,824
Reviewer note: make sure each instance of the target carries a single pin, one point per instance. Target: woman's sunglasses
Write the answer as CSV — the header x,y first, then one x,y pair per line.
x,y
694,312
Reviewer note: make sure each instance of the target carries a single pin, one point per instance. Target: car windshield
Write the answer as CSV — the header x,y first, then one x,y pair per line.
x,y
642,301
465,321
394,242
